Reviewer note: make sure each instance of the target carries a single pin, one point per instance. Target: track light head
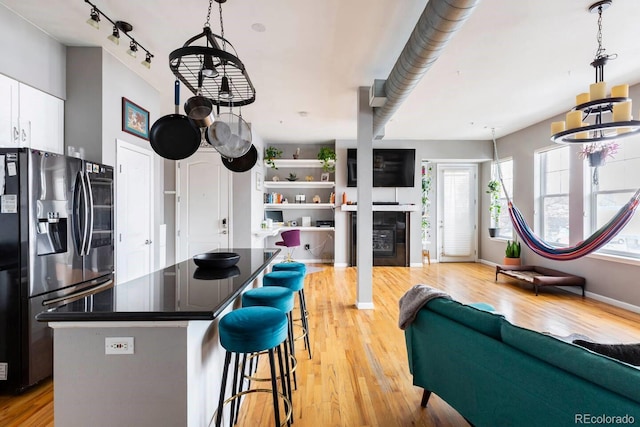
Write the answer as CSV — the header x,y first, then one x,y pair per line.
x,y
133,49
94,19
147,60
115,36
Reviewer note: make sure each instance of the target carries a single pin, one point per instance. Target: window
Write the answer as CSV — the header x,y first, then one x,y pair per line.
x,y
506,170
614,185
553,203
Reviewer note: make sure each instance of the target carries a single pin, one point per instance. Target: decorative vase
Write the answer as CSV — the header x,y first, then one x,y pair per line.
x,y
597,158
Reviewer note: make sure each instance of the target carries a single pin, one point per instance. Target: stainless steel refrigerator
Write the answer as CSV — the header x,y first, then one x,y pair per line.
x,y
56,246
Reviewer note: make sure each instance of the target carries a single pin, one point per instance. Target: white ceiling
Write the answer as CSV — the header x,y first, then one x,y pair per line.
x,y
513,64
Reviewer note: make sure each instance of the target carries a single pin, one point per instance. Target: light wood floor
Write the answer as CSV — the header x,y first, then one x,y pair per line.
x,y
358,375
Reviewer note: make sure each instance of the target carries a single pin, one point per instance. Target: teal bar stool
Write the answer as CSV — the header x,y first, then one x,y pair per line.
x,y
293,280
290,266
252,330
281,298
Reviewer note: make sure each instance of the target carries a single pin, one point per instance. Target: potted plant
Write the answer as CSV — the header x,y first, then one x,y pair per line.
x,y
512,253
493,189
326,154
597,153
271,153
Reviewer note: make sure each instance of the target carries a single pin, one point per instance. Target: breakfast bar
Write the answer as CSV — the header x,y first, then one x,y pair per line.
x,y
146,352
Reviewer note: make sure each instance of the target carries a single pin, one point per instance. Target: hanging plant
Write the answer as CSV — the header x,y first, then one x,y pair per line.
x,y
426,202
271,153
597,153
493,189
326,154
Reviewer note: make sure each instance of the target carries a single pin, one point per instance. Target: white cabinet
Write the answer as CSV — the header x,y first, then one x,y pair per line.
x,y
9,128
41,120
30,117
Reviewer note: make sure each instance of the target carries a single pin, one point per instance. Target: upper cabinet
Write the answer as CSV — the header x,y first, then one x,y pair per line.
x,y
30,118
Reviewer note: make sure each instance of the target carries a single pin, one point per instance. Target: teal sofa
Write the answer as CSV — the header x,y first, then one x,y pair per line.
x,y
497,374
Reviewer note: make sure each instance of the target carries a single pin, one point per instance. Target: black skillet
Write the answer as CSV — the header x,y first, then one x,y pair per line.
x,y
242,163
175,136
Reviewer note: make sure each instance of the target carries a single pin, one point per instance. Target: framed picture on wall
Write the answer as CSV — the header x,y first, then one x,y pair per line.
x,y
135,119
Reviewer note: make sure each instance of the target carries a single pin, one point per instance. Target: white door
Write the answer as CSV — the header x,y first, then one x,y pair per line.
x,y
457,212
203,209
134,212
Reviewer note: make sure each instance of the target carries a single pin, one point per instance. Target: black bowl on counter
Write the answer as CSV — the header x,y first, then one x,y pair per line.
x,y
216,260
216,274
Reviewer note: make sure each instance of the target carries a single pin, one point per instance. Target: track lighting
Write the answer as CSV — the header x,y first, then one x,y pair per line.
x,y
147,61
115,36
94,19
119,27
133,49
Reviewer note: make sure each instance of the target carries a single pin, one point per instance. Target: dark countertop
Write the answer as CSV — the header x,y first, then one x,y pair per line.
x,y
183,291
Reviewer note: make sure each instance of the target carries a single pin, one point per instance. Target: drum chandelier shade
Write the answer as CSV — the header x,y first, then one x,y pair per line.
x,y
599,116
227,83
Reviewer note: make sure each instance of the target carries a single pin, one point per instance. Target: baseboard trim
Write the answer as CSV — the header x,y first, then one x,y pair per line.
x,y
364,305
341,265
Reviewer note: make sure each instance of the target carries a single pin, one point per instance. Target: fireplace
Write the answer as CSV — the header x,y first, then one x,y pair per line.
x,y
390,238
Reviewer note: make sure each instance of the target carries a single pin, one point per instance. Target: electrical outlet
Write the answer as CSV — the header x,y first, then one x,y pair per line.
x,y
118,345
307,247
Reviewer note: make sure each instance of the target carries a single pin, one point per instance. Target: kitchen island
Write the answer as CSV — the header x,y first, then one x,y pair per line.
x,y
162,328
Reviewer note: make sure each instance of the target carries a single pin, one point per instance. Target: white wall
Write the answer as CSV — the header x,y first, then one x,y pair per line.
x,y
605,277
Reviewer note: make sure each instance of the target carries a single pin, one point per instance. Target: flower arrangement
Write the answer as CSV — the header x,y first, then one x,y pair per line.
x,y
601,151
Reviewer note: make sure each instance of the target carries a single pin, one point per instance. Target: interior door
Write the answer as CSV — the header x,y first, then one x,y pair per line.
x,y
457,212
203,206
134,218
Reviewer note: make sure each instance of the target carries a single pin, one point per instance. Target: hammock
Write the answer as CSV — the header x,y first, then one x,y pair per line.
x,y
566,253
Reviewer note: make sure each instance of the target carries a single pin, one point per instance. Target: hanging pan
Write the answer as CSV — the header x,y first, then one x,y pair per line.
x,y
199,108
242,163
174,136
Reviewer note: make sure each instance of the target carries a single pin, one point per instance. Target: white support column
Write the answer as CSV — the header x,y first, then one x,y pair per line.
x,y
364,296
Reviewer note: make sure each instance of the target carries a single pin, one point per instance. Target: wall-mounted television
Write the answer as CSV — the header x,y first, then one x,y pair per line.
x,y
391,167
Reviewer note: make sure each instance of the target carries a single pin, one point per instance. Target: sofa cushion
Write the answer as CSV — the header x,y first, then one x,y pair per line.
x,y
627,353
479,319
608,373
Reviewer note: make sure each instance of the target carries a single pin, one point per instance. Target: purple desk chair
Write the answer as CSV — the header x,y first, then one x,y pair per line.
x,y
290,239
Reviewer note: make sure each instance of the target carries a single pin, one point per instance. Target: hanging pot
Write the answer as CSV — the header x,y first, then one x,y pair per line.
x,y
597,158
242,163
199,108
174,136
230,135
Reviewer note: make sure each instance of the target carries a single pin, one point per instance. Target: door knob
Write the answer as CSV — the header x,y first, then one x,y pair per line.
x,y
147,242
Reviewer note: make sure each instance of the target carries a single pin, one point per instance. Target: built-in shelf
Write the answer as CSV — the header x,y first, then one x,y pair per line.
x,y
389,208
269,232
286,206
298,163
299,184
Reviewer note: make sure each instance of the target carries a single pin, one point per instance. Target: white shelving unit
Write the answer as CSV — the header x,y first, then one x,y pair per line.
x,y
297,163
299,184
285,206
318,239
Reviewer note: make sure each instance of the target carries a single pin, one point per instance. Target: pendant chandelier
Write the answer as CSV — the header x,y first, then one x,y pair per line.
x,y
225,81
598,117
